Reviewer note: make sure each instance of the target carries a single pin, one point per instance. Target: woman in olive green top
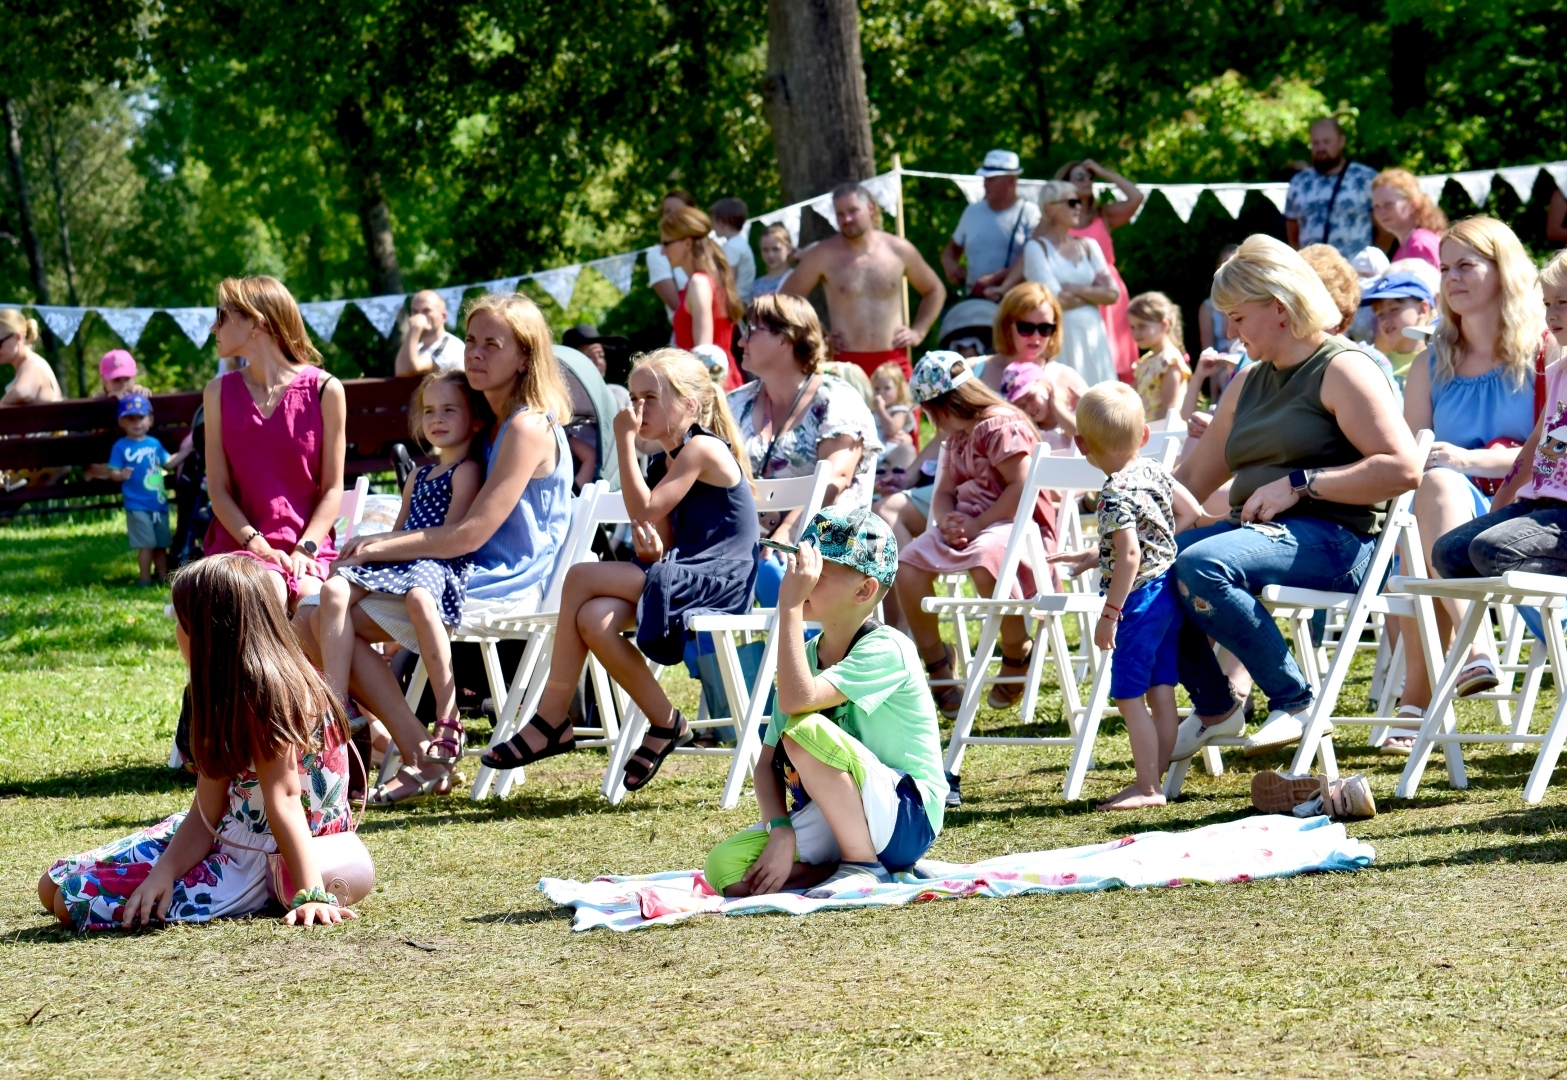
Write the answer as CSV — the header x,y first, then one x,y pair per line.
x,y
1315,443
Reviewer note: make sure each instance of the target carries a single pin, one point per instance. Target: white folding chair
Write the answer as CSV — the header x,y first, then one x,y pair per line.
x,y
1440,726
1400,534
748,699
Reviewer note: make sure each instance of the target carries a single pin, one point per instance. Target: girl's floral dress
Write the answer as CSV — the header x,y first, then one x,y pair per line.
x,y
231,880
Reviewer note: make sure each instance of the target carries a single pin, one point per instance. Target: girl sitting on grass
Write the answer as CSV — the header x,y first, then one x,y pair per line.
x,y
695,533
416,601
268,741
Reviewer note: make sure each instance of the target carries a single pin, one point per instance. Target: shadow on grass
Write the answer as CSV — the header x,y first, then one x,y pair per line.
x,y
523,918
120,780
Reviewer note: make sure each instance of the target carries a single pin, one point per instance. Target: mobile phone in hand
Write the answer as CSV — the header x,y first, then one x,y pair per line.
x,y
779,545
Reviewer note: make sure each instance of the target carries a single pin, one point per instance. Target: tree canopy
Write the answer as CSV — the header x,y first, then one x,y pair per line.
x,y
475,138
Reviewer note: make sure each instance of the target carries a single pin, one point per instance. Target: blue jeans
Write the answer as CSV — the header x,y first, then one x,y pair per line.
x,y
1218,573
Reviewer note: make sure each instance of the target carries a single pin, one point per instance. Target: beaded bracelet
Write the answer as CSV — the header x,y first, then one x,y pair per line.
x,y
317,895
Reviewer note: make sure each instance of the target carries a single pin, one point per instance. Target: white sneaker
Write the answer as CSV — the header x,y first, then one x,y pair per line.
x,y
1280,729
1192,736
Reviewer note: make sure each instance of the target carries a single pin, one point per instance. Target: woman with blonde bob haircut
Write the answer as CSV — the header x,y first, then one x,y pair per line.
x,y
515,527
1313,442
1474,387
276,434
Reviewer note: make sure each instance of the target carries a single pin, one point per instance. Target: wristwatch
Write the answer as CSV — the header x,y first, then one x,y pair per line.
x,y
1300,481
308,547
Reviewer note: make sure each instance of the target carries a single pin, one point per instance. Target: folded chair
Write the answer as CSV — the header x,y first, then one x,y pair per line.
x,y
748,698
1297,606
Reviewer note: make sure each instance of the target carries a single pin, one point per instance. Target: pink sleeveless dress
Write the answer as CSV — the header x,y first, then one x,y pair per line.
x,y
274,465
1123,348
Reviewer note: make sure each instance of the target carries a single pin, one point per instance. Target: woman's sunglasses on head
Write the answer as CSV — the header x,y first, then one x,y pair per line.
x,y
1029,329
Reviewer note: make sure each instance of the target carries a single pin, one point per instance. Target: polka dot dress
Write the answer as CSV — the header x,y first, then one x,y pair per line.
x,y
444,579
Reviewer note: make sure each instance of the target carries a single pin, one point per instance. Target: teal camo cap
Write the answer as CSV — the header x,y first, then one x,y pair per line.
x,y
937,373
857,539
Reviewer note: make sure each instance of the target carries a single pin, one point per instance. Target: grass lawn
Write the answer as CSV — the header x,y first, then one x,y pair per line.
x,y
1445,958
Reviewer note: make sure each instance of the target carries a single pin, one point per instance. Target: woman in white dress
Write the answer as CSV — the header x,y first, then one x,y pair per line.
x,y
1074,269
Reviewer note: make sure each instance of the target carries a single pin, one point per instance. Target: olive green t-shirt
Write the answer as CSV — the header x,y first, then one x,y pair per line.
x,y
1281,425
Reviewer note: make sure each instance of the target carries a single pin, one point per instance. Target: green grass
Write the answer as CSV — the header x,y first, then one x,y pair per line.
x,y
1443,959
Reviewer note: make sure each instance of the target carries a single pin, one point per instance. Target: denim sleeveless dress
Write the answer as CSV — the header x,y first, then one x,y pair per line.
x,y
710,567
521,554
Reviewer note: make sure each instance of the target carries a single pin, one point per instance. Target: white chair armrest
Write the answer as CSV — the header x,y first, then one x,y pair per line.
x,y
1313,598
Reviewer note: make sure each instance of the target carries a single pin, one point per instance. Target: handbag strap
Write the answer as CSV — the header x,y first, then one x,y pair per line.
x,y
1539,380
353,823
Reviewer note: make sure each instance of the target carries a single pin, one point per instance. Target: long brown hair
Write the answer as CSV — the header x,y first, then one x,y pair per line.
x,y
267,301
539,385
1428,215
253,694
689,223
1522,311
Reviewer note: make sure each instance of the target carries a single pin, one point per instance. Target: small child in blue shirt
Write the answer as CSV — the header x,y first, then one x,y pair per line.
x,y
1141,508
138,462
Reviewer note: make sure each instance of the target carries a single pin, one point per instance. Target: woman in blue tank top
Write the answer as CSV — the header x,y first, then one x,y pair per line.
x,y
517,523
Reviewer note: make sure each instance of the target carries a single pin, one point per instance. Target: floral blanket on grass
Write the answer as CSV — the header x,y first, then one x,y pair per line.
x,y
1234,851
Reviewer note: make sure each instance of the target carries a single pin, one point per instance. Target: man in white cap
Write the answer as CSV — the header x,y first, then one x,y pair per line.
x,y
992,231
428,346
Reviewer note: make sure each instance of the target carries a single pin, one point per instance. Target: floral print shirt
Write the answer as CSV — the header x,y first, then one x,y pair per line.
x,y
1138,497
836,409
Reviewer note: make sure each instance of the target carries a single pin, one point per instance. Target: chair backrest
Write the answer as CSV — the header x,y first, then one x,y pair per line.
x,y
1046,472
578,542
1164,445
803,493
1400,534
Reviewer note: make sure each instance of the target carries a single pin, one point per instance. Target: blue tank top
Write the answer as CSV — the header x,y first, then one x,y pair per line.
x,y
521,554
1470,411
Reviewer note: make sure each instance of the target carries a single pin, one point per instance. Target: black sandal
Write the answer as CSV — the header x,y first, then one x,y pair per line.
x,y
644,763
515,752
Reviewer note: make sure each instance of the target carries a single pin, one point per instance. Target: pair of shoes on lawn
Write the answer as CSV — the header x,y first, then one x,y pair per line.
x,y
1347,798
1280,729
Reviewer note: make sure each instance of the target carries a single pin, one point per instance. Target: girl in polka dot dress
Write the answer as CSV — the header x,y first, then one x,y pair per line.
x,y
445,416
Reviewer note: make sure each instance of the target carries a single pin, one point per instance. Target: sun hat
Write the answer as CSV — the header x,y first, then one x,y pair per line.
x,y
135,404
1018,377
715,359
937,373
1369,263
117,364
1399,285
1000,163
856,538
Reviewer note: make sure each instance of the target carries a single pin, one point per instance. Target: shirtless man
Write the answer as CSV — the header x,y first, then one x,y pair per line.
x,y
862,269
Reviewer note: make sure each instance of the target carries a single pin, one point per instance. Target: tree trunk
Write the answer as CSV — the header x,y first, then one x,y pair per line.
x,y
24,210
65,248
815,96
1037,111
375,217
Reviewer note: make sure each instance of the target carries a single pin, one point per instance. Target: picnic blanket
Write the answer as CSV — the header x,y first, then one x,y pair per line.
x,y
1234,851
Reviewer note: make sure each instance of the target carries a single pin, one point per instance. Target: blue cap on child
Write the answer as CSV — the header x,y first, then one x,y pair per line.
x,y
135,405
857,539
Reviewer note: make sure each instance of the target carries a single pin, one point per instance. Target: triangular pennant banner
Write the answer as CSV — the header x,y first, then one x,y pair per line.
x,y
382,311
322,316
1521,179
1558,172
560,283
195,321
1231,196
618,269
823,208
973,187
789,218
63,321
127,322
1276,194
451,296
1432,186
885,189
1477,184
502,286
1182,198
1027,190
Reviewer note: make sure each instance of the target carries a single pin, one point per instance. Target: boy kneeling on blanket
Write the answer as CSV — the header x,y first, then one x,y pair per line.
x,y
853,736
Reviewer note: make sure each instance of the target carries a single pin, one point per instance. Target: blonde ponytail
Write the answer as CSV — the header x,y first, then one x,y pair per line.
x,y
686,376
15,322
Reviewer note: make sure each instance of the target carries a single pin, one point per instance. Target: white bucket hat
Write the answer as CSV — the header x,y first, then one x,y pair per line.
x,y
1000,163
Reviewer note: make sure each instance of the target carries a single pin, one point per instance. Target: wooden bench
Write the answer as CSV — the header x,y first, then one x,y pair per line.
x,y
74,434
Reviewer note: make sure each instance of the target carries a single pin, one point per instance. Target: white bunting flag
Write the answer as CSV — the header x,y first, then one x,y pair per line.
x,y
618,270
1521,179
452,298
322,316
788,217
127,322
1182,198
1558,172
1277,194
502,286
63,321
1027,190
196,322
560,283
1432,186
1231,196
973,188
822,205
382,311
1476,184
885,189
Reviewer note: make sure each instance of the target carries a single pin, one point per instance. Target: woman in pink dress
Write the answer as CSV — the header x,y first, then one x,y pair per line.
x,y
275,439
1096,222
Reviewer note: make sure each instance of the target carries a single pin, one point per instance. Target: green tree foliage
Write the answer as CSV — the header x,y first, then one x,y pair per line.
x,y
514,135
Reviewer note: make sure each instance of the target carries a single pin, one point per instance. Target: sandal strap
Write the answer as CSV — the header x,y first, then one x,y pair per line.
x,y
453,724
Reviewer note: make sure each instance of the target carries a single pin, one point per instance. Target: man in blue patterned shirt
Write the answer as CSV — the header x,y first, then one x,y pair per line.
x,y
1330,203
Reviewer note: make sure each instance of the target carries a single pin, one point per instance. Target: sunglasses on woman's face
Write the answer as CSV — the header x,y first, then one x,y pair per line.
x,y
1074,202
7,338
1029,329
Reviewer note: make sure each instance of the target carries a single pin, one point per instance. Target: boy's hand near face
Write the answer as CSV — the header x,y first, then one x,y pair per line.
x,y
801,572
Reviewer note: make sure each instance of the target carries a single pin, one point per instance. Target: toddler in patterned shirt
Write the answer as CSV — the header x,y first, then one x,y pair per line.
x,y
1141,508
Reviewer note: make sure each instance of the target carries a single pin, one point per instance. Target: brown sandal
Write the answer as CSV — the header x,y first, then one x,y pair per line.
x,y
949,699
1005,695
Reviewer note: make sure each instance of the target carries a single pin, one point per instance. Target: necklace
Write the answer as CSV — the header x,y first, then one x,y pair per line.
x,y
781,429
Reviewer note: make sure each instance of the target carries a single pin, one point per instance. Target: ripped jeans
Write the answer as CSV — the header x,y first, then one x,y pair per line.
x,y
1218,573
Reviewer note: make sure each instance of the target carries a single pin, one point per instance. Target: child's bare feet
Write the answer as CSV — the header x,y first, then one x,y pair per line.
x,y
1132,798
